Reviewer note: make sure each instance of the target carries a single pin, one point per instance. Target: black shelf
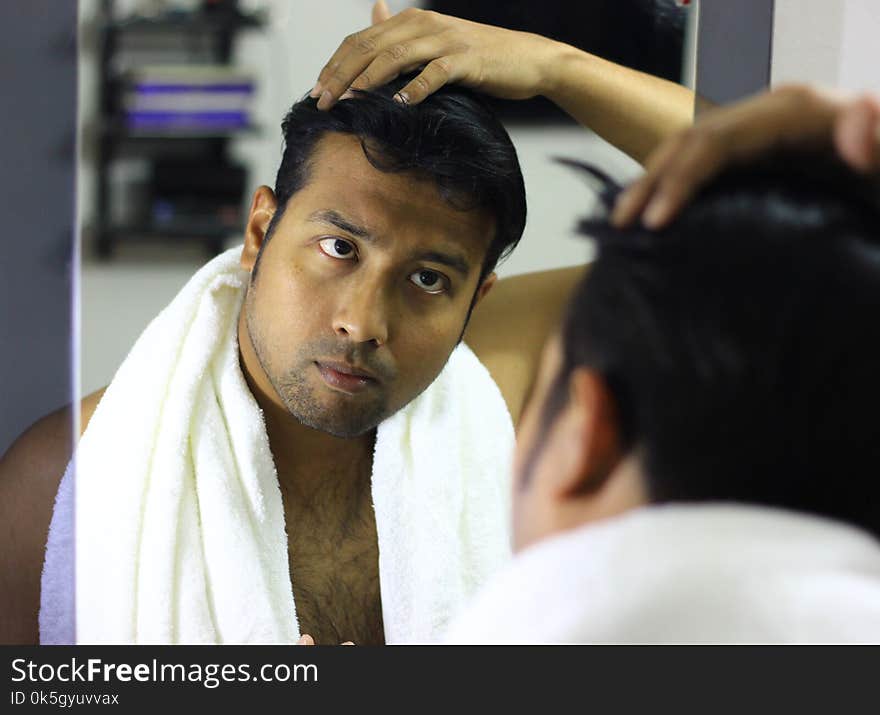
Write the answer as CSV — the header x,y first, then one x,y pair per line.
x,y
179,229
188,22
213,236
200,146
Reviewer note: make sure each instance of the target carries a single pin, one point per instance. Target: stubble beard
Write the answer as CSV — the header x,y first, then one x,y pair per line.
x,y
349,416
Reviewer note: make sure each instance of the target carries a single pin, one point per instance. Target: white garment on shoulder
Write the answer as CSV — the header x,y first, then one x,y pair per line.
x,y
179,521
710,573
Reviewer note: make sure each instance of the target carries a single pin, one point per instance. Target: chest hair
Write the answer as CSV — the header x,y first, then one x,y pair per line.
x,y
333,557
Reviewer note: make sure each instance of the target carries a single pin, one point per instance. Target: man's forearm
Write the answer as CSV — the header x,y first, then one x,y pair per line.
x,y
632,110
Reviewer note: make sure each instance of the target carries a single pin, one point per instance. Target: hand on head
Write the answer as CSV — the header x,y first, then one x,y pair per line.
x,y
501,62
792,117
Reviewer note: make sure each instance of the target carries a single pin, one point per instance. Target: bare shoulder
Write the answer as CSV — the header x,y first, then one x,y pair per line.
x,y
30,473
87,408
508,328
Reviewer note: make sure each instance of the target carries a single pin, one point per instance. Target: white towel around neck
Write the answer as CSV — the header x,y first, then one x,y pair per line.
x,y
179,524
709,573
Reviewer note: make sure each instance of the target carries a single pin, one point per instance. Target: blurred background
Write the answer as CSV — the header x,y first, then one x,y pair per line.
x,y
180,104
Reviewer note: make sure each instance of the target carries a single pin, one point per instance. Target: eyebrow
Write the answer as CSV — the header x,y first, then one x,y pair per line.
x,y
337,219
453,260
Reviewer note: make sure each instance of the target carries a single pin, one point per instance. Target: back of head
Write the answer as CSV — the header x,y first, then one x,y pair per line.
x,y
741,342
452,138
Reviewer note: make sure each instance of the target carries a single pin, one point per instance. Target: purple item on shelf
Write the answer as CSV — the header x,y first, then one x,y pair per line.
x,y
187,120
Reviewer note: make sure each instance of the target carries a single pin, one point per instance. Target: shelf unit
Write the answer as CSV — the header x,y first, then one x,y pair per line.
x,y
216,26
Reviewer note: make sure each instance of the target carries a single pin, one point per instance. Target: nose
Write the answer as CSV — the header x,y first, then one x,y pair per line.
x,y
362,314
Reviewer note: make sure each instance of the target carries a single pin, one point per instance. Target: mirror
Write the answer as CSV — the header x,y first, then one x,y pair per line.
x,y
180,101
181,107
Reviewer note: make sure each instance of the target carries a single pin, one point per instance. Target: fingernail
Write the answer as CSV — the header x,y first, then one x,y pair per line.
x,y
347,94
401,97
326,99
655,214
316,91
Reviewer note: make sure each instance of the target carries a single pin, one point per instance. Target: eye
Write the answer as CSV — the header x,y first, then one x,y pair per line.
x,y
338,248
429,281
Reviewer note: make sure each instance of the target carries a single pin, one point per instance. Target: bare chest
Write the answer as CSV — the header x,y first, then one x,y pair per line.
x,y
333,556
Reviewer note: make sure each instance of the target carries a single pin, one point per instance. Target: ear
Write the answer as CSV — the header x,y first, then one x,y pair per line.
x,y
263,207
586,437
485,287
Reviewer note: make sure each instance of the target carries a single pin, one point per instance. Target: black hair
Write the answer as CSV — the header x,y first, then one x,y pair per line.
x,y
741,343
451,138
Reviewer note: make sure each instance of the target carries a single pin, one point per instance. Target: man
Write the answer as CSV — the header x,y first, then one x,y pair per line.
x,y
365,263
382,289
696,462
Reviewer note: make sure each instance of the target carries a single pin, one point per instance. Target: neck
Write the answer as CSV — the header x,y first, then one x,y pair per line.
x,y
302,454
624,490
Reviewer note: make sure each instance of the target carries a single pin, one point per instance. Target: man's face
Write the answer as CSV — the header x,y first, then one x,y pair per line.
x,y
367,272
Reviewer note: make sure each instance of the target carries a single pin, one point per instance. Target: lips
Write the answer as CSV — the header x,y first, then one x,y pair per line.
x,y
346,378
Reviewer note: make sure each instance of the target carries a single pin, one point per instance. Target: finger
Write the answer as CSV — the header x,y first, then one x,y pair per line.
x,y
397,59
359,46
380,12
437,73
794,116
306,639
357,51
857,134
702,153
698,161
632,201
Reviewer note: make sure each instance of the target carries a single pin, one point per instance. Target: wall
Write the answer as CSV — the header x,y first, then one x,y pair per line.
x,y
829,43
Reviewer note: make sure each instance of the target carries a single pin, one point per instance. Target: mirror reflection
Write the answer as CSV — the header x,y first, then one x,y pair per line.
x,y
307,344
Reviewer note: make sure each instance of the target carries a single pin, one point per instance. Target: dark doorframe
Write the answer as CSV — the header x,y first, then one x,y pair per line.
x,y
734,48
38,74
